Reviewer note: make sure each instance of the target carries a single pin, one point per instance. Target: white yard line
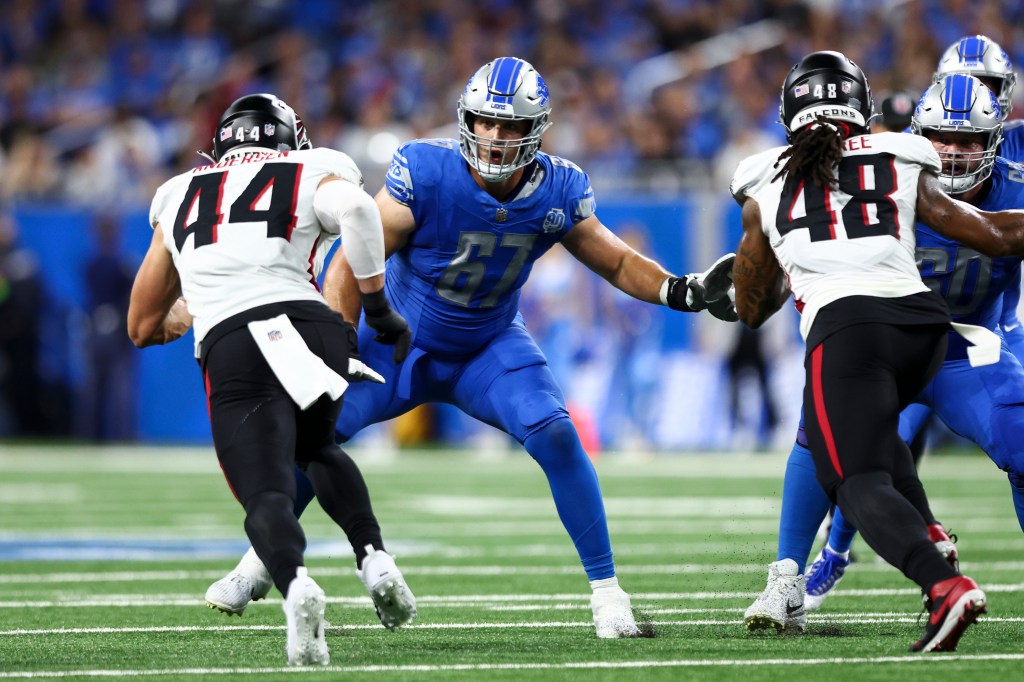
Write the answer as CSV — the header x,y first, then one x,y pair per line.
x,y
482,667
504,602
521,625
685,466
333,571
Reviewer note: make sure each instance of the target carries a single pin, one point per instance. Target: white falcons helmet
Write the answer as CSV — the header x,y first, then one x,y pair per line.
x,y
983,58
960,103
506,88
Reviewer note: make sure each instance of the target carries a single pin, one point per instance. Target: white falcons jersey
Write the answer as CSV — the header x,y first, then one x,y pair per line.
x,y
243,232
854,240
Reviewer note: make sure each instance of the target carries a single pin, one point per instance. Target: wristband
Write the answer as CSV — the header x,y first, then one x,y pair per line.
x,y
375,304
674,294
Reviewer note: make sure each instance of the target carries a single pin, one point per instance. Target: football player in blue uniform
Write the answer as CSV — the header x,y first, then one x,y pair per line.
x,y
981,403
983,58
464,222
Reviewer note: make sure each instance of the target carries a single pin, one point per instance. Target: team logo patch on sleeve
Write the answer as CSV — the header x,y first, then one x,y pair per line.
x,y
555,220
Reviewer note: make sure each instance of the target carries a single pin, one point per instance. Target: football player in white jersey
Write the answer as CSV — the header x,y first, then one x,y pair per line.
x,y
831,219
241,240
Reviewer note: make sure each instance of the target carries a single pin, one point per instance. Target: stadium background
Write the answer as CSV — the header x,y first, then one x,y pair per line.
x,y
102,100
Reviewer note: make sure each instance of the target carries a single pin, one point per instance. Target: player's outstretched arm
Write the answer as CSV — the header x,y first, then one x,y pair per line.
x,y
597,247
759,279
355,276
994,234
601,250
156,314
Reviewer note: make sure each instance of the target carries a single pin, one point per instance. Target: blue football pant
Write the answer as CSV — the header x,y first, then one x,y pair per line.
x,y
982,404
509,386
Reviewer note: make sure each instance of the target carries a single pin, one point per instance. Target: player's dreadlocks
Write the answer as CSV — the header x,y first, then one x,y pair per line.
x,y
816,151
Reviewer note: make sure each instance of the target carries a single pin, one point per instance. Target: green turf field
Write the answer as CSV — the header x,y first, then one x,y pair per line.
x,y
105,555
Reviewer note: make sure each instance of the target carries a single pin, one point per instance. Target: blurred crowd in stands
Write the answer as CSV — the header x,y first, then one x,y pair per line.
x,y
102,100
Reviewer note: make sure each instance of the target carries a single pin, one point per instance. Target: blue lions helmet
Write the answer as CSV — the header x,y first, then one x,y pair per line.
x,y
981,57
962,104
506,88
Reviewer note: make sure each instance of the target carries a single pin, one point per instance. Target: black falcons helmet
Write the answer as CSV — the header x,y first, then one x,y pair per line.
x,y
827,84
259,121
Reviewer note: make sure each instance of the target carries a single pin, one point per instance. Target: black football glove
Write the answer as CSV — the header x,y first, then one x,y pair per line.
x,y
711,290
724,308
391,328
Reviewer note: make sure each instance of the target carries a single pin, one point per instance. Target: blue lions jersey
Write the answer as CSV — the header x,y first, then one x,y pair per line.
x,y
972,283
982,404
1012,149
1012,145
457,279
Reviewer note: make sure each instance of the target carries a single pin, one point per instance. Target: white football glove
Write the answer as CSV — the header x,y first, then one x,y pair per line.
x,y
360,371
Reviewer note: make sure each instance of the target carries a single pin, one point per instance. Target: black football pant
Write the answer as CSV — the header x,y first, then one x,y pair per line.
x,y
857,382
260,434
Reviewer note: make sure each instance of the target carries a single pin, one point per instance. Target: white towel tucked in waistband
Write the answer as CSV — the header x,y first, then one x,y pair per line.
x,y
985,344
302,373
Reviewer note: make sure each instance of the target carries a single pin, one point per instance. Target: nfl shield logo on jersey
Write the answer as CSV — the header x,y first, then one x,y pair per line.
x,y
501,215
555,220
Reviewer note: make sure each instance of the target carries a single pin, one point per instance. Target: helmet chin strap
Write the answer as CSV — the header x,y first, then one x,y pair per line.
x,y
206,156
495,179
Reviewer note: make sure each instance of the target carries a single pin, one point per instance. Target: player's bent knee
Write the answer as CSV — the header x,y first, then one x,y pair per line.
x,y
561,433
1016,479
537,411
267,501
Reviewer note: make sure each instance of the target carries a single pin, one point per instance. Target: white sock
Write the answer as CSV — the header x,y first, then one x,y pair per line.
x,y
604,583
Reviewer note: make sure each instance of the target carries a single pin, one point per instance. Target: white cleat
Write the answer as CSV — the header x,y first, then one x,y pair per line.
x,y
394,601
304,615
781,605
613,613
249,581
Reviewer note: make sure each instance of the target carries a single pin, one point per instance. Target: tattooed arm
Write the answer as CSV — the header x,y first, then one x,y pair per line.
x,y
759,279
995,234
